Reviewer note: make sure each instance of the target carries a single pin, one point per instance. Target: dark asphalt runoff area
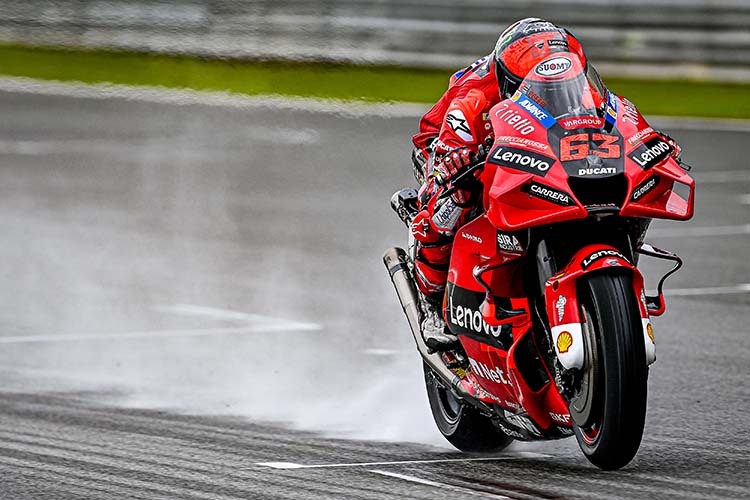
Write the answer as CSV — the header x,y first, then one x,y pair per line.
x,y
194,307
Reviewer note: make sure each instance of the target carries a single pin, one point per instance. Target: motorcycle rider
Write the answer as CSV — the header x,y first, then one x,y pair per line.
x,y
457,126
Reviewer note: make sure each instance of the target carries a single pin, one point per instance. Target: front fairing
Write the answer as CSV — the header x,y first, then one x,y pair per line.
x,y
549,169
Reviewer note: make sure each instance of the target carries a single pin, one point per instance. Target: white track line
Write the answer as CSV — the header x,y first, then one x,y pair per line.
x,y
506,456
427,482
285,326
745,199
715,290
680,232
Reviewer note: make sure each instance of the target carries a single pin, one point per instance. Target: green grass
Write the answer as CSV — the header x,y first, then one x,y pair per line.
x,y
349,82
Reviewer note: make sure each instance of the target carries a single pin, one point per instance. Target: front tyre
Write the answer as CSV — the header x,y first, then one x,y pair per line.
x,y
462,425
610,407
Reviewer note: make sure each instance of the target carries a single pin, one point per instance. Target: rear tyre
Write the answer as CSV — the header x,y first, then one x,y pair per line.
x,y
463,426
610,408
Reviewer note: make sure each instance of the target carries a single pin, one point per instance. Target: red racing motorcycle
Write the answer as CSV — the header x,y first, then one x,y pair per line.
x,y
544,290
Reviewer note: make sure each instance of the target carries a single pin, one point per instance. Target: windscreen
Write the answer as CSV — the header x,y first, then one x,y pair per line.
x,y
564,88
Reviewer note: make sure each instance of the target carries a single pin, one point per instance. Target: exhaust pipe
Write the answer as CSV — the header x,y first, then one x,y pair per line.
x,y
396,262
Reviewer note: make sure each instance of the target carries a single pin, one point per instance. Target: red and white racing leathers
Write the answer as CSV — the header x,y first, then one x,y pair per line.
x,y
459,119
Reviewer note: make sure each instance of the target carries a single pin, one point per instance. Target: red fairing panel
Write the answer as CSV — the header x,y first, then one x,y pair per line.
x,y
545,406
531,188
653,174
475,244
521,141
489,370
494,378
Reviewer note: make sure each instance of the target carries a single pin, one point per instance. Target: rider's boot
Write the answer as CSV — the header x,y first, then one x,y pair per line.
x,y
434,331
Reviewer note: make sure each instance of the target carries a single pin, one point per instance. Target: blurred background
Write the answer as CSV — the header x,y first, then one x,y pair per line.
x,y
666,38
379,50
194,206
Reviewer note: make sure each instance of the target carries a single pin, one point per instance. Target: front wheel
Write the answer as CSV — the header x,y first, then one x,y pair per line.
x,y
462,425
609,407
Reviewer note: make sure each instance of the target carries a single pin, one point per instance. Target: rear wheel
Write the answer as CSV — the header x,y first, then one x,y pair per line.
x,y
609,407
462,425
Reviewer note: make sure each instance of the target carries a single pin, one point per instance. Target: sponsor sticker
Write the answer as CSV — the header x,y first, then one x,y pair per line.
x,y
601,254
538,112
651,153
553,67
536,97
439,146
560,418
472,237
457,121
650,333
638,136
521,159
558,43
560,306
583,172
611,115
470,319
549,194
564,342
508,242
447,216
512,405
484,68
644,188
569,346
515,119
575,122
540,27
629,112
523,141
491,373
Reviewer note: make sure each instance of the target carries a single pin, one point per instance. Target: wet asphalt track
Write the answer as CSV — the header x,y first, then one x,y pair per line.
x,y
184,288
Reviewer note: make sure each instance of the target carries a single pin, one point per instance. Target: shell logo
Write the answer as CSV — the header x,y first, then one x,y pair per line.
x,y
564,341
650,332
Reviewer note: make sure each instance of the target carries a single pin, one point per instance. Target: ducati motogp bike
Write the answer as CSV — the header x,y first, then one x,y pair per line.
x,y
544,290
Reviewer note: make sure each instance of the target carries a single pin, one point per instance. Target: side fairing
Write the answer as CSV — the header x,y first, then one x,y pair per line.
x,y
657,186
